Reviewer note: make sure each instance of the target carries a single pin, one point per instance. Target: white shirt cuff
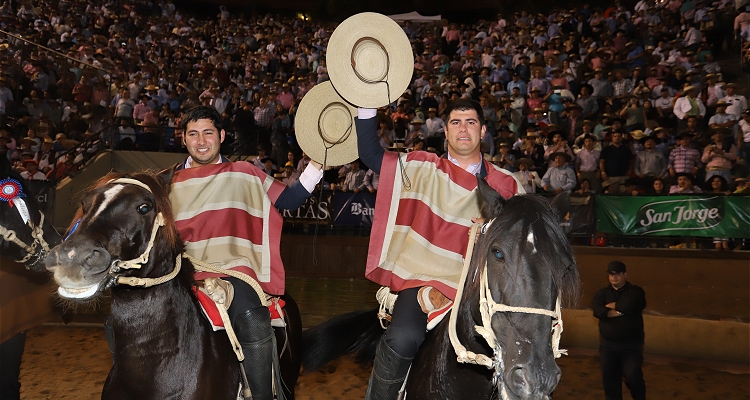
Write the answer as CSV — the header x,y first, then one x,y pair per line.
x,y
310,177
366,113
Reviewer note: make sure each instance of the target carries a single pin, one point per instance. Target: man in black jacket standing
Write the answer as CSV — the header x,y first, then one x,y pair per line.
x,y
619,308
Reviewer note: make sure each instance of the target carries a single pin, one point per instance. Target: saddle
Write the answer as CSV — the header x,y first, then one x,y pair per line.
x,y
217,293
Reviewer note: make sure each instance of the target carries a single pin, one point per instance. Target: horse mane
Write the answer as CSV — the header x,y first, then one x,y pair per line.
x,y
552,246
161,198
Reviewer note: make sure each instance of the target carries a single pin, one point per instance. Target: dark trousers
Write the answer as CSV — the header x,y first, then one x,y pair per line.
x,y
408,323
618,362
245,298
11,351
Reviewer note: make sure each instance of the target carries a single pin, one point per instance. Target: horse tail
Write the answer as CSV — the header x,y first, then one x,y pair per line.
x,y
358,331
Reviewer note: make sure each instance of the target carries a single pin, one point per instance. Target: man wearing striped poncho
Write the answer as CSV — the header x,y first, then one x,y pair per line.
x,y
424,209
226,214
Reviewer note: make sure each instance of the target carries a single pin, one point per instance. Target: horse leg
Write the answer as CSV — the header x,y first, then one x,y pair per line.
x,y
288,343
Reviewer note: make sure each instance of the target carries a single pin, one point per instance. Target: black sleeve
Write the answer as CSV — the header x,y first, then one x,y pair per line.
x,y
292,197
598,305
368,145
633,303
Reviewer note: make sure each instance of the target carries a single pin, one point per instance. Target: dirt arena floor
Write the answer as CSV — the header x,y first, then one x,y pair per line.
x,y
64,362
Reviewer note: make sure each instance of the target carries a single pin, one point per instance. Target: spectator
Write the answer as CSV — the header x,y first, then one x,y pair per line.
x,y
684,159
587,164
719,155
688,106
658,188
616,163
530,180
684,185
650,163
371,181
32,171
355,178
559,177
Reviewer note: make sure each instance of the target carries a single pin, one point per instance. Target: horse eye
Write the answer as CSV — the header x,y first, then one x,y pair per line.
x,y
144,208
499,256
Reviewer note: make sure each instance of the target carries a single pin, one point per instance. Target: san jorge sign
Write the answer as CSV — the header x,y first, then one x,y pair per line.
x,y
703,216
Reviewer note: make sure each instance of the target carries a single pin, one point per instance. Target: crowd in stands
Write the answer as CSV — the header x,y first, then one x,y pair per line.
x,y
595,100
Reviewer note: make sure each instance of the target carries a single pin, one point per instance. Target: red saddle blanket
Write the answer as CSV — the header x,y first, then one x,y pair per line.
x,y
211,311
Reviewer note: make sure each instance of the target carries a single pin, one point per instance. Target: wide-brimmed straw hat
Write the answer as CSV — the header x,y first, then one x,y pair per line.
x,y
325,120
369,60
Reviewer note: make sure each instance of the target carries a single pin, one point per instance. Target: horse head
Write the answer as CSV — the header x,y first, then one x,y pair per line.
x,y
523,268
123,233
25,234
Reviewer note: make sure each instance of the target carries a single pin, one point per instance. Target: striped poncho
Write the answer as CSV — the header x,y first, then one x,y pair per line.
x,y
421,225
225,216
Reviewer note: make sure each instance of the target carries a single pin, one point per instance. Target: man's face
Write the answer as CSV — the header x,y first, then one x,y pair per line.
x,y
683,182
588,143
464,132
203,142
617,279
617,138
649,144
721,109
559,161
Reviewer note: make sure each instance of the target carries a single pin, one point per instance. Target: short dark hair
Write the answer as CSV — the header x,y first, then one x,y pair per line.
x,y
202,112
465,105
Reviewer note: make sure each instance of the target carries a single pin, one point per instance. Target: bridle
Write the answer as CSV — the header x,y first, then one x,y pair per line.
x,y
487,308
39,248
35,251
136,263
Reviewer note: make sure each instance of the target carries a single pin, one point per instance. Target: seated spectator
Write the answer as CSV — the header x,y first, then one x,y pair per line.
x,y
658,188
355,178
32,171
290,175
684,185
584,188
371,181
268,166
559,177
719,156
559,144
530,180
504,158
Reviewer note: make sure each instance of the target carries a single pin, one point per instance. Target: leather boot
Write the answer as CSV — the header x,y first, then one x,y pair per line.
x,y
256,336
388,373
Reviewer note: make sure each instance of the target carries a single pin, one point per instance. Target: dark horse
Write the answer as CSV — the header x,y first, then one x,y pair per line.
x,y
528,262
164,346
25,241
25,236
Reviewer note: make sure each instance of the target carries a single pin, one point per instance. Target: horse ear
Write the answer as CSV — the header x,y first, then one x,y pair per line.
x,y
492,201
165,176
560,204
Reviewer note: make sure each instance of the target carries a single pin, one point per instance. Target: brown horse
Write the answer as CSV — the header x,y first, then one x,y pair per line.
x,y
164,346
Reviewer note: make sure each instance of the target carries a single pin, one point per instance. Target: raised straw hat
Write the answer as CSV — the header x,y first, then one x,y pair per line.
x,y
326,121
370,60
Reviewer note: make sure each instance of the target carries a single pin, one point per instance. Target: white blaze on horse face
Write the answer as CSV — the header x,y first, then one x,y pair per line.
x,y
108,196
530,239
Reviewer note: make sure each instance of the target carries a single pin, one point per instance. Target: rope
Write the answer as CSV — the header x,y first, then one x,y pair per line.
x,y
36,232
148,282
488,307
137,262
386,300
206,267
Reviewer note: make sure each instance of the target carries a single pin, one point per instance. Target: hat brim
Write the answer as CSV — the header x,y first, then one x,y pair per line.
x,y
325,120
369,60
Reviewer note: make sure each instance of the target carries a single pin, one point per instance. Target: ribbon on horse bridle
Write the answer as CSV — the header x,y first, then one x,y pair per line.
x,y
38,249
488,307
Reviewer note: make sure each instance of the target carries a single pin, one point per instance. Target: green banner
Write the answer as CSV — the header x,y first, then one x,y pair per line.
x,y
701,216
